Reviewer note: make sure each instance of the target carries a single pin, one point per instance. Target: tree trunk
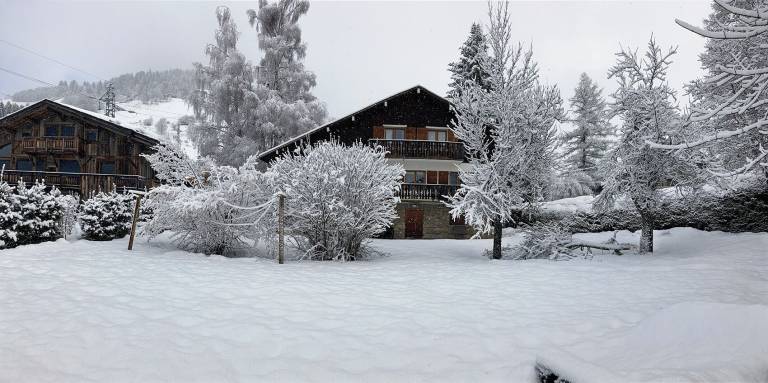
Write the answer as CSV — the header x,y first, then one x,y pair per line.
x,y
646,233
497,227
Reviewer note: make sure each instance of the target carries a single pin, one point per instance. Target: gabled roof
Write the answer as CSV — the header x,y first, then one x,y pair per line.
x,y
268,152
92,117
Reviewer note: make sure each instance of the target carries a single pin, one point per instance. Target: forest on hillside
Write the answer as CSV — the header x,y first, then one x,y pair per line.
x,y
146,86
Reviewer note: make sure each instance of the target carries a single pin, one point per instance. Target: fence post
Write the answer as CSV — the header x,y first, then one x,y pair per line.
x,y
280,228
137,208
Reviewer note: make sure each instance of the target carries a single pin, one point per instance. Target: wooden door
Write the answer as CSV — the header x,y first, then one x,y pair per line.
x,y
414,223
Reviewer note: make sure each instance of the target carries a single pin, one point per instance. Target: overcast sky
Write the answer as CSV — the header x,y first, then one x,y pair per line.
x,y
360,51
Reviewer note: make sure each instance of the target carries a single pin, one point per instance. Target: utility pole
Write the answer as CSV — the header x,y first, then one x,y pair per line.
x,y
109,101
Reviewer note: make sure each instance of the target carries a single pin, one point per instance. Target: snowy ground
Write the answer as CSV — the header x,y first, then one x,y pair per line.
x,y
697,310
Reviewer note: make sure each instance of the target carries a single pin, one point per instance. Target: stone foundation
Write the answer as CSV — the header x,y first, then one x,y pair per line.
x,y
436,223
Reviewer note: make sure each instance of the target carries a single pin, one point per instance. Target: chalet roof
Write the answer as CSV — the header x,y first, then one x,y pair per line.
x,y
107,122
268,152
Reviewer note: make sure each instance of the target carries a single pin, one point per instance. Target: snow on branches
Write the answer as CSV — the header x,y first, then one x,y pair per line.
x,y
106,216
644,102
507,128
337,197
199,202
728,124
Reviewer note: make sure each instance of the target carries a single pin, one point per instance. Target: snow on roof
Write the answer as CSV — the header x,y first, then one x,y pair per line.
x,y
294,139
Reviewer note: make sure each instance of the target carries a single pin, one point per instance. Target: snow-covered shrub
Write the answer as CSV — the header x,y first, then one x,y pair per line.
x,y
337,197
41,214
70,205
10,215
106,216
207,208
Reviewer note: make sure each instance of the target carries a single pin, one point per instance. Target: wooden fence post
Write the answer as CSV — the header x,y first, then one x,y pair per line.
x,y
280,228
137,208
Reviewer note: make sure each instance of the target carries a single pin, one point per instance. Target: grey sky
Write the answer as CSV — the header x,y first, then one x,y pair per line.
x,y
360,51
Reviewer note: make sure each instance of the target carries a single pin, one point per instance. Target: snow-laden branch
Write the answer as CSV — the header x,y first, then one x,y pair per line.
x,y
708,139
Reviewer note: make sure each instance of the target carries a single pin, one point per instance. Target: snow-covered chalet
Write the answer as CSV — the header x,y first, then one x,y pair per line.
x,y
76,150
414,126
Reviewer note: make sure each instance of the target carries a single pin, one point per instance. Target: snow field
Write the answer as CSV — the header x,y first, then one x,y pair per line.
x,y
434,310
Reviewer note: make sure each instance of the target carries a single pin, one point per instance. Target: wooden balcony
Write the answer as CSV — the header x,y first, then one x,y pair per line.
x,y
425,191
85,183
51,144
433,150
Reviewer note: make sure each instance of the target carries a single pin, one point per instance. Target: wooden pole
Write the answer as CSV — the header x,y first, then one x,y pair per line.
x,y
136,210
280,228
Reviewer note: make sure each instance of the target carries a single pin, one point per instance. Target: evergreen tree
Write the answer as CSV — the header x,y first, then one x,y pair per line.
x,y
106,216
41,214
10,215
469,66
586,145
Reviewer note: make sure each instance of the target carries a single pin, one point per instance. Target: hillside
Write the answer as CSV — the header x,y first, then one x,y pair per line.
x,y
145,86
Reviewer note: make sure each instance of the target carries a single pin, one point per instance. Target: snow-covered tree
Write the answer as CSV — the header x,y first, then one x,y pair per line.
x,y
644,102
507,128
286,106
106,216
469,65
161,126
10,215
201,203
41,213
587,144
729,109
243,110
70,206
337,197
224,95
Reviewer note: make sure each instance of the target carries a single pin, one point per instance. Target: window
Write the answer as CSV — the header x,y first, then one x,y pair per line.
x,y
69,166
67,131
92,135
5,150
107,167
51,130
394,134
26,131
415,177
40,165
437,135
453,178
24,165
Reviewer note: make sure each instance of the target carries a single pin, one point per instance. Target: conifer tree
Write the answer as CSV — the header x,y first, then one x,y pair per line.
x,y
469,65
587,144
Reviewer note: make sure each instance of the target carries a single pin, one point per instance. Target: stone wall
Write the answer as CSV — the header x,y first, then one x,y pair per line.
x,y
436,223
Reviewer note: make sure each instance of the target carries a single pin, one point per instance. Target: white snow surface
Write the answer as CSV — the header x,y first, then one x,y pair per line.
x,y
432,310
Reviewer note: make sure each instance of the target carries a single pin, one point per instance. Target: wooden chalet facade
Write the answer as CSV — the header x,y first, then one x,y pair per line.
x,y
413,126
73,149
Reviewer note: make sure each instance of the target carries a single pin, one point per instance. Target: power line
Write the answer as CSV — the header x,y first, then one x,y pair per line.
x,y
50,59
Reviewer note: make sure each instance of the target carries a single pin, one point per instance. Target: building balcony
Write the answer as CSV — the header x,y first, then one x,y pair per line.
x,y
85,183
51,144
434,150
410,191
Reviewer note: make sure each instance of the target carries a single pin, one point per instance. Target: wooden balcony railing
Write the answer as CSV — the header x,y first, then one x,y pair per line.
x,y
426,192
436,150
85,182
51,144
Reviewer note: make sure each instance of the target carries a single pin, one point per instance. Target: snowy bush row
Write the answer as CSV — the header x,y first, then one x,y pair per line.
x,y
30,214
106,216
336,198
738,211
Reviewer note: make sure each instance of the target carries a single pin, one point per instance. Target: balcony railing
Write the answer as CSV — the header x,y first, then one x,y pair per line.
x,y
85,182
426,192
436,150
51,144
